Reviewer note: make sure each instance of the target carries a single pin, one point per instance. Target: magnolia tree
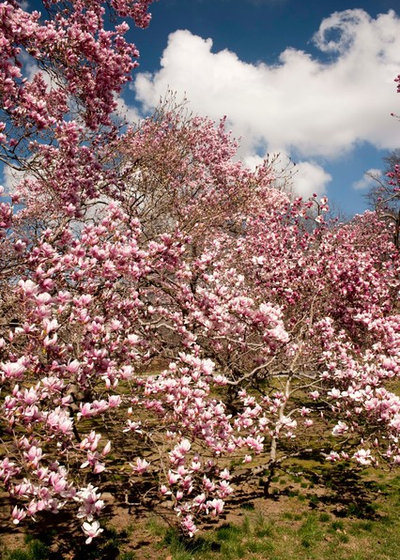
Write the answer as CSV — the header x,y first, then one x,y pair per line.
x,y
170,314
384,195
337,295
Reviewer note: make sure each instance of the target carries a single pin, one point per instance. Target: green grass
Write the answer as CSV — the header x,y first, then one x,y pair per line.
x,y
297,528
34,550
306,533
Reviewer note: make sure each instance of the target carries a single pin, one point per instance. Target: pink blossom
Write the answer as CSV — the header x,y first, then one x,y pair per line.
x,y
333,456
188,525
363,457
14,369
216,505
18,515
141,465
92,530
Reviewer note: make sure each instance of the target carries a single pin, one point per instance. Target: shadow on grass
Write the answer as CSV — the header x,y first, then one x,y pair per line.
x,y
60,537
176,542
343,488
347,490
311,479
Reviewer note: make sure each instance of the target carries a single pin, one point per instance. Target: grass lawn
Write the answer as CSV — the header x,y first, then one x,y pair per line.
x,y
315,512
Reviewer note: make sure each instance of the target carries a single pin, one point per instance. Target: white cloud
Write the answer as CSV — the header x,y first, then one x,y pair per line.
x,y
310,178
369,179
30,68
23,4
305,177
11,178
301,104
127,112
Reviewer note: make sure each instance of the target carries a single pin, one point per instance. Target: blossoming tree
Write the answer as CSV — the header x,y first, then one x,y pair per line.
x,y
170,311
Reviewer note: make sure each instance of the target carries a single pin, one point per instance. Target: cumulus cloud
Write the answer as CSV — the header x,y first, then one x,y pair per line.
x,y
126,112
11,178
369,179
310,178
305,177
309,106
23,4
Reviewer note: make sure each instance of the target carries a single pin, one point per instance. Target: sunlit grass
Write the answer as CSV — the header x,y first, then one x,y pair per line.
x,y
300,529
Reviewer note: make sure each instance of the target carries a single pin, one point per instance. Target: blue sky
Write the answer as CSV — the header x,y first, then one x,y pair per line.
x,y
309,79
324,99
